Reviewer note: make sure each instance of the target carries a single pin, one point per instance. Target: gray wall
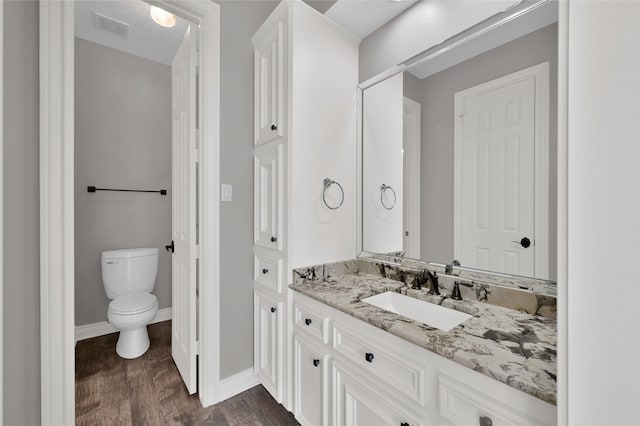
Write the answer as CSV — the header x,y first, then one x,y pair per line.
x,y
21,279
437,134
239,20
122,140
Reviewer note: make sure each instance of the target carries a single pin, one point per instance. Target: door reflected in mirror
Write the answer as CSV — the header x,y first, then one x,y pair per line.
x,y
469,150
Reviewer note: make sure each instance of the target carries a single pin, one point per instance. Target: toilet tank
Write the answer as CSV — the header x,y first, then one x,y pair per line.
x,y
129,271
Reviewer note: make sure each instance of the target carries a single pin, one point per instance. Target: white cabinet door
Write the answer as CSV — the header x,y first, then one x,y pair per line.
x,y
267,343
310,388
357,403
268,86
268,197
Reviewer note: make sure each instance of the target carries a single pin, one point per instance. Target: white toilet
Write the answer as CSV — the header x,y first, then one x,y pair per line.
x,y
129,276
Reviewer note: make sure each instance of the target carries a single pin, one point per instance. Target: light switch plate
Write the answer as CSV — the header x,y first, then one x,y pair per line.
x,y
226,193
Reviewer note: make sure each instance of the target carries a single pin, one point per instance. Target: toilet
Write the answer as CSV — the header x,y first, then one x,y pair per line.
x,y
129,276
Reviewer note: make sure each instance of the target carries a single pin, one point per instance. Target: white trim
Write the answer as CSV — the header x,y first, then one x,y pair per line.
x,y
103,328
563,215
239,382
540,73
57,381
56,203
1,208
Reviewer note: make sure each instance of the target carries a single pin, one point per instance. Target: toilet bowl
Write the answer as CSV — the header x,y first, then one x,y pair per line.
x,y
130,313
129,276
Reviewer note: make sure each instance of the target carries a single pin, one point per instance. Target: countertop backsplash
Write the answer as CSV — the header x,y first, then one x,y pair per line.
x,y
523,300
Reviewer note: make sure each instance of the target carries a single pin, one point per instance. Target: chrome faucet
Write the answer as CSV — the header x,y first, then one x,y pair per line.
x,y
432,277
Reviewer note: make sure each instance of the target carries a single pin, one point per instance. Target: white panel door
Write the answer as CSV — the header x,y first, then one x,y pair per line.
x,y
357,404
267,343
310,384
497,179
411,123
183,181
268,197
268,86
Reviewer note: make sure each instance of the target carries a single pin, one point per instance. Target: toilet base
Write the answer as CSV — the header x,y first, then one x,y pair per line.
x,y
133,343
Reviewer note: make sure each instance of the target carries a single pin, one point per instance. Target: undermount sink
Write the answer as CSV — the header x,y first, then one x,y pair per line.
x,y
419,310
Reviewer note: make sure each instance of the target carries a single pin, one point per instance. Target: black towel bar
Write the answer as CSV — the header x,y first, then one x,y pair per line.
x,y
94,189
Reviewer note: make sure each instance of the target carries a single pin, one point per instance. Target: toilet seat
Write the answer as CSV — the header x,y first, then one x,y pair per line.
x,y
133,304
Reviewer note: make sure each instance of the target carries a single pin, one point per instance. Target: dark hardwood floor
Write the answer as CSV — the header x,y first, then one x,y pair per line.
x,y
149,390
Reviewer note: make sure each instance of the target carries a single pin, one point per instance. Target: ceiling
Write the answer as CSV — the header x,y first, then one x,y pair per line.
x,y
145,38
362,17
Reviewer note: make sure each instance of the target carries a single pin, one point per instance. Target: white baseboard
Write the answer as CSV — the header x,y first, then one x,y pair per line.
x,y
102,328
238,383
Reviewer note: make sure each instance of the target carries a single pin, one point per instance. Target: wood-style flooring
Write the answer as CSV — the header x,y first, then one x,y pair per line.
x,y
149,390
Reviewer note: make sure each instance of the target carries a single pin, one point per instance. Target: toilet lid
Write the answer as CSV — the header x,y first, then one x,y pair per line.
x,y
133,303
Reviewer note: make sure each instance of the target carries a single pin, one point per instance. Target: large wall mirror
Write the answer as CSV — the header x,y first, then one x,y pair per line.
x,y
459,149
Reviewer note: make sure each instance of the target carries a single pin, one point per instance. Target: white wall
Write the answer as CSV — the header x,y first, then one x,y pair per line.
x,y
603,213
323,143
382,129
424,25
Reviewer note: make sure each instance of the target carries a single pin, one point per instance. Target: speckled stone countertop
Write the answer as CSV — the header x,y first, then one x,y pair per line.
x,y
515,348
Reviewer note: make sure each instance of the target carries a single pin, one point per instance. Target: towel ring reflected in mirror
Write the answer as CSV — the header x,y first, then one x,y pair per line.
x,y
383,189
327,184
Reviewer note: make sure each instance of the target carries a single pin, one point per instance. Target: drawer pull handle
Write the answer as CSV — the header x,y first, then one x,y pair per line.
x,y
265,271
274,239
485,421
273,309
274,127
307,321
404,424
316,362
368,357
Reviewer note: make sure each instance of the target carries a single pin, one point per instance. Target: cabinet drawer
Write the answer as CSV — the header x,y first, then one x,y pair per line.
x,y
462,404
268,271
391,369
311,322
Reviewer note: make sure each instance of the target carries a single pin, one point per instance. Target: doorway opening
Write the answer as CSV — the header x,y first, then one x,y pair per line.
x,y
58,245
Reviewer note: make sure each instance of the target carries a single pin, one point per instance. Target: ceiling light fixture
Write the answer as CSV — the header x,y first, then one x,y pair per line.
x,y
162,17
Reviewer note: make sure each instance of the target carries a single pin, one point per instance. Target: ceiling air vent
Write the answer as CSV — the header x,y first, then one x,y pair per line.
x,y
112,25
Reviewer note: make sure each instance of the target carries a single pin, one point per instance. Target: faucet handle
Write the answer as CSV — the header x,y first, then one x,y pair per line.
x,y
455,294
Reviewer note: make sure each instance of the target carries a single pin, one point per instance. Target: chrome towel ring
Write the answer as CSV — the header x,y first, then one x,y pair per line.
x,y
383,189
327,184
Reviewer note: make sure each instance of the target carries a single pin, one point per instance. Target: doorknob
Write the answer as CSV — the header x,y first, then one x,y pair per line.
x,y
524,242
170,248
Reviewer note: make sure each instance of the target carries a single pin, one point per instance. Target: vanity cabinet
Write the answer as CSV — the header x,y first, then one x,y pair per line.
x,y
310,364
268,196
380,379
304,132
357,402
269,85
268,342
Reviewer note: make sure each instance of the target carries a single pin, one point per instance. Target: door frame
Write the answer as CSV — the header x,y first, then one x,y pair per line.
x,y
540,73
1,210
57,343
413,108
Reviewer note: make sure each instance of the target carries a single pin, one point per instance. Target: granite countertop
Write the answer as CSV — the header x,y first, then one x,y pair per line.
x,y
515,348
